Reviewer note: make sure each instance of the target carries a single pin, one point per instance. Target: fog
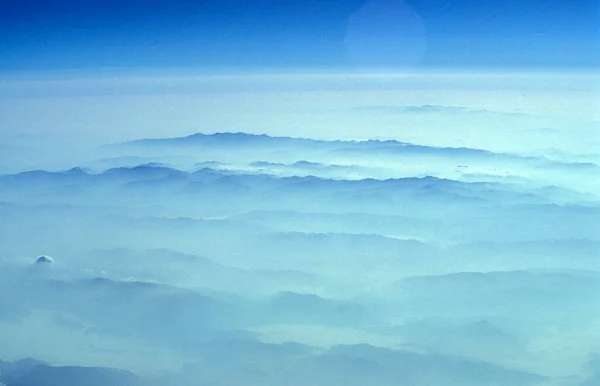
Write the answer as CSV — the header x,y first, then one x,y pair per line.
x,y
236,258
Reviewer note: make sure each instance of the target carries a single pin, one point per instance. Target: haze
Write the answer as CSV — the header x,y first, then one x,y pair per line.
x,y
331,193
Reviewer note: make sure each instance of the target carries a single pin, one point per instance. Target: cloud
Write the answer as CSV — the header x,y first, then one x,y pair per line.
x,y
437,109
44,260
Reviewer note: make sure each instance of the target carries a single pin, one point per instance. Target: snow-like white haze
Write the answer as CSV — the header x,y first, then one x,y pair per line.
x,y
425,229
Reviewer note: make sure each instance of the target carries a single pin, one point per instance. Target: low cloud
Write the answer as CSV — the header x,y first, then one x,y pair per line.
x,y
44,260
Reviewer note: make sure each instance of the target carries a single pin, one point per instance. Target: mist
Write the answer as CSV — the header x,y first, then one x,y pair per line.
x,y
457,251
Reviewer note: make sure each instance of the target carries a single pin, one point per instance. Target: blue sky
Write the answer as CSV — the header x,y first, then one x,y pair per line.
x,y
309,34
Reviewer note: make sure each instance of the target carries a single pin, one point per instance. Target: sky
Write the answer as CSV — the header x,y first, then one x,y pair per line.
x,y
274,35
